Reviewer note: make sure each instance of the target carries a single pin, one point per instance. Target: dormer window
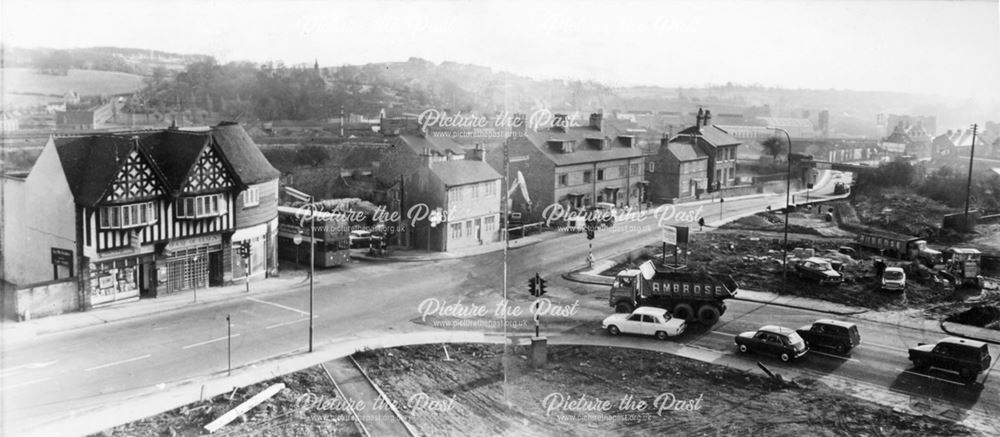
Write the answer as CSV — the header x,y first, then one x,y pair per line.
x,y
598,143
136,215
563,146
212,205
627,141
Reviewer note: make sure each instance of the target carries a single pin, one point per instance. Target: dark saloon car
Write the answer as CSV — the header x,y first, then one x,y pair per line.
x,y
781,342
818,269
832,334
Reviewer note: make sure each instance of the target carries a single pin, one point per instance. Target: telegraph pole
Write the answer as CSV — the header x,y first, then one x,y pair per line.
x,y
968,185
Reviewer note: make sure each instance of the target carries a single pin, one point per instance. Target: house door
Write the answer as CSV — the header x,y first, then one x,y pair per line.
x,y
215,269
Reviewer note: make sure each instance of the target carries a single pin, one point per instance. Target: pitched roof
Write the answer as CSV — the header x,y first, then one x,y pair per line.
x,y
461,172
248,162
90,163
685,151
583,150
438,145
712,136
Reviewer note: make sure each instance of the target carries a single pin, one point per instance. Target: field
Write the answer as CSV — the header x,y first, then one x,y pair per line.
x,y
25,86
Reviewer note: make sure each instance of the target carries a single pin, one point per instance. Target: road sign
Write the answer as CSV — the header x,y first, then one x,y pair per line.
x,y
669,235
297,239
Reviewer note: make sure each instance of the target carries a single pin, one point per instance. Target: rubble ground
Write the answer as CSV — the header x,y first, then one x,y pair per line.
x,y
600,389
280,416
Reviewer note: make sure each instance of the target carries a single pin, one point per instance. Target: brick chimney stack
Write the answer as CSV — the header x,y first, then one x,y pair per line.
x,y
699,118
708,118
597,121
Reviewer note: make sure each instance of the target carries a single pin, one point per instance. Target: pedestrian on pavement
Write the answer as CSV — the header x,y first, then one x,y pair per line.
x,y
701,223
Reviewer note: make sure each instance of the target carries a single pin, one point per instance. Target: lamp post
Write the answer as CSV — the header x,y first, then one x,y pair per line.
x,y
303,197
968,184
788,194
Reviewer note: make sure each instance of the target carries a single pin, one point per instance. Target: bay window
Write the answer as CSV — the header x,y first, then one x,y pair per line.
x,y
127,216
211,205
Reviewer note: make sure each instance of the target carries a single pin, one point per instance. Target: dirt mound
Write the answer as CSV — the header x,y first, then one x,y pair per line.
x,y
984,316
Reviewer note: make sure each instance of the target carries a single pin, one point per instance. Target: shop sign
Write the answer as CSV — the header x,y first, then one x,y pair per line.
x,y
192,243
62,257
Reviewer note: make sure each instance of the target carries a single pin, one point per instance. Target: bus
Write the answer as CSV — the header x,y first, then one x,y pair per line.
x,y
333,244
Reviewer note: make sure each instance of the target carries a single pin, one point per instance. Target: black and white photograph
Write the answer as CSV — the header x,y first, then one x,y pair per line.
x,y
372,218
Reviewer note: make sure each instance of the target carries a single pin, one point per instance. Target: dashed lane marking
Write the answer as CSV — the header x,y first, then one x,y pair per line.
x,y
305,313
34,381
278,325
209,341
932,377
129,360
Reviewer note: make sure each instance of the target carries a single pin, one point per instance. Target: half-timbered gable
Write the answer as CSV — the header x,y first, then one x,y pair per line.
x,y
209,174
135,181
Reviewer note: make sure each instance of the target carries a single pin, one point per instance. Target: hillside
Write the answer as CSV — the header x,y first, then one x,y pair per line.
x,y
27,86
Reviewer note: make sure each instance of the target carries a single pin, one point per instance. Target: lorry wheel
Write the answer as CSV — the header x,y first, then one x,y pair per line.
x,y
623,307
684,311
708,314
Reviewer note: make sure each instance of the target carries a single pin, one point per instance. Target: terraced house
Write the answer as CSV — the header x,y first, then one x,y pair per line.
x,y
110,218
575,166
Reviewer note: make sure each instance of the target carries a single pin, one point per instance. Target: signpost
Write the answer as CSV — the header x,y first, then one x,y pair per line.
x,y
303,197
61,257
674,236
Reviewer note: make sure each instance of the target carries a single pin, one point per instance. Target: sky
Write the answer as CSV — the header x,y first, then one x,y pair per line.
x,y
949,48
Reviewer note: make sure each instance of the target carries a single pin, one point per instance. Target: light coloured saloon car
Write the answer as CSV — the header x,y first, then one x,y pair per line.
x,y
645,321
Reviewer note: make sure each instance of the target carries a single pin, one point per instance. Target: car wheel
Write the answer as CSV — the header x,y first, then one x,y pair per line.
x,y
966,374
660,335
613,330
785,357
744,349
841,349
623,308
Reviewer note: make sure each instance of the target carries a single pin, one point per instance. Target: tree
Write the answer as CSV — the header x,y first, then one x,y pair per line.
x,y
774,146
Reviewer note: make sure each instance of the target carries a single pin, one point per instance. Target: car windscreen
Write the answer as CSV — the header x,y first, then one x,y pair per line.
x,y
893,276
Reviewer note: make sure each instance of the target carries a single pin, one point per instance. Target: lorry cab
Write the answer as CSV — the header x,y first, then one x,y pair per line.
x,y
624,290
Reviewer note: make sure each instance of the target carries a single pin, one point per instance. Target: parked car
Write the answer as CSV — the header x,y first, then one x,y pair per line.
x,y
968,358
894,279
818,269
833,334
781,342
360,239
645,321
603,212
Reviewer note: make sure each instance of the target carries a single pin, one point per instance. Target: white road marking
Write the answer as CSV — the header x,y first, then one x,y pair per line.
x,y
726,334
839,357
932,377
129,360
8,370
208,341
882,346
280,306
34,381
277,325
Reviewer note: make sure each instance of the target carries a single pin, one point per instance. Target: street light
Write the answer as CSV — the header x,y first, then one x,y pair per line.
x,y
788,194
303,197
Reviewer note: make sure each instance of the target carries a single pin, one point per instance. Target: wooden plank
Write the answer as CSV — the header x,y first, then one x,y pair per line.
x,y
244,407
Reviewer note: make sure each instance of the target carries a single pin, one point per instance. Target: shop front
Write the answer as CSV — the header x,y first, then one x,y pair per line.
x,y
190,263
121,276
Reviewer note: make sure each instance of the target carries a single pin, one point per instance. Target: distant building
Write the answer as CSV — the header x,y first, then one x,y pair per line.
x,y
954,142
678,172
796,127
718,145
8,123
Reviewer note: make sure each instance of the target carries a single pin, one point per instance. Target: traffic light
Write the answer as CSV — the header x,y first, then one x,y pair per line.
x,y
591,227
541,286
532,287
245,249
